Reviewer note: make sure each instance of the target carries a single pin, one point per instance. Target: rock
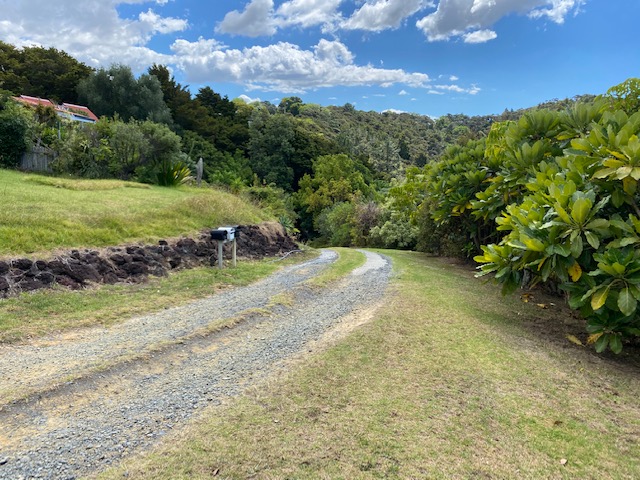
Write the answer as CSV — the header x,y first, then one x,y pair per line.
x,y
29,284
135,268
23,264
83,272
45,277
77,268
119,259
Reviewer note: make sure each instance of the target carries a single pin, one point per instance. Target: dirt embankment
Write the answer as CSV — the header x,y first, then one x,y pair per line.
x,y
134,263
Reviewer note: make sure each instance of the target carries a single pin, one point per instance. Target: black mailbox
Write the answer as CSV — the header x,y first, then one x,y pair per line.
x,y
223,234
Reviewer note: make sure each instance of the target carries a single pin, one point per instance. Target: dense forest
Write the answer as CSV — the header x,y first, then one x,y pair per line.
x,y
543,195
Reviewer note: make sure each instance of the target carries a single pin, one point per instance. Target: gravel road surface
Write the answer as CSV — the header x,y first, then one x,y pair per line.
x,y
98,395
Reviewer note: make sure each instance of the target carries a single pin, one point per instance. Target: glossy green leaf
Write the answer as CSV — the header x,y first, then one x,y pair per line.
x,y
598,299
615,343
581,208
593,239
626,302
576,247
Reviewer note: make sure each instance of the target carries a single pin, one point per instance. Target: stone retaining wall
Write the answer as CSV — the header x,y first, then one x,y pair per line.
x,y
134,263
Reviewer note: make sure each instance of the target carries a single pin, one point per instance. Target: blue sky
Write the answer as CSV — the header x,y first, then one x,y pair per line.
x,y
424,56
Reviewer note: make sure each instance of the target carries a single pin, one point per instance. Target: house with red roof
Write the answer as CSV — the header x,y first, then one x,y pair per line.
x,y
77,113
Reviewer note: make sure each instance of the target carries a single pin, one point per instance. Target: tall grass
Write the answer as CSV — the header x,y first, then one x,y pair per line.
x,y
41,213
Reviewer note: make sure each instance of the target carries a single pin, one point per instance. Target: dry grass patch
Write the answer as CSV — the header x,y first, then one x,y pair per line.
x,y
447,382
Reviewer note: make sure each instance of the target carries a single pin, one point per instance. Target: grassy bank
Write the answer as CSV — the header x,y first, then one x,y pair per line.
x,y
41,213
450,380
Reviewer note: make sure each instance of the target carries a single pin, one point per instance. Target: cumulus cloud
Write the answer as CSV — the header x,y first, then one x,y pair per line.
x,y
471,19
378,15
403,92
254,21
247,99
90,30
439,89
307,13
285,67
479,36
260,17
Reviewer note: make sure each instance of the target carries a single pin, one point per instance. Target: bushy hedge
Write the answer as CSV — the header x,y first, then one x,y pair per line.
x,y
552,198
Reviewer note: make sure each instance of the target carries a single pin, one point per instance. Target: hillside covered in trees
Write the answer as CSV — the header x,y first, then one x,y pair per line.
x,y
544,195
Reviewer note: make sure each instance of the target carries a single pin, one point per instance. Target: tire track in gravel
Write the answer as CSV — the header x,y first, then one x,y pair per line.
x,y
85,426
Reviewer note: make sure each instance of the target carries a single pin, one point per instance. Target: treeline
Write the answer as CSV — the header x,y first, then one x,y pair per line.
x,y
153,128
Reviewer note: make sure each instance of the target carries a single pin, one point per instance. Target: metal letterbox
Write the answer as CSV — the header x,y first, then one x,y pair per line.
x,y
223,234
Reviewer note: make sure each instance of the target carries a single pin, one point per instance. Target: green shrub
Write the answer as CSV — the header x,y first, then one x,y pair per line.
x,y
16,124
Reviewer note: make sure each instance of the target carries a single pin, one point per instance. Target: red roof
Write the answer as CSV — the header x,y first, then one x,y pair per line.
x,y
80,109
65,109
35,101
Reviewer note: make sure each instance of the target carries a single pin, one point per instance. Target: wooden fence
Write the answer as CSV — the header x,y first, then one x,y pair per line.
x,y
38,159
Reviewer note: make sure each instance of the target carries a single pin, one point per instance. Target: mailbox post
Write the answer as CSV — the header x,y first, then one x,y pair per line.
x,y
223,235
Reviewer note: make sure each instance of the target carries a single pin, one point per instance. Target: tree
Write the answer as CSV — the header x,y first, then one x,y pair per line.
x,y
271,148
625,96
41,72
216,103
115,91
335,179
291,105
186,113
16,123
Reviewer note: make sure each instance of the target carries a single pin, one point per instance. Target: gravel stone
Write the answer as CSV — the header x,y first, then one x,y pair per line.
x,y
67,429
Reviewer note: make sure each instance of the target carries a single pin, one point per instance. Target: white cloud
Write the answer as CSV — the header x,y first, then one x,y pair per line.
x,y
248,99
285,67
403,92
558,10
156,23
90,30
393,110
439,89
455,18
307,13
254,21
479,36
378,15
453,78
435,92
261,18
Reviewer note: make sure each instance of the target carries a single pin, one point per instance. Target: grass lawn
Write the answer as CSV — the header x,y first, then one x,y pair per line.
x,y
449,380
42,213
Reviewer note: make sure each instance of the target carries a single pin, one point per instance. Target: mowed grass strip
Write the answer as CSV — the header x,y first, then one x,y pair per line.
x,y
47,311
348,260
444,383
41,214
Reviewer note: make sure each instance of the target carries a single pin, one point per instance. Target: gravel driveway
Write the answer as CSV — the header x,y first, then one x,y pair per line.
x,y
99,395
